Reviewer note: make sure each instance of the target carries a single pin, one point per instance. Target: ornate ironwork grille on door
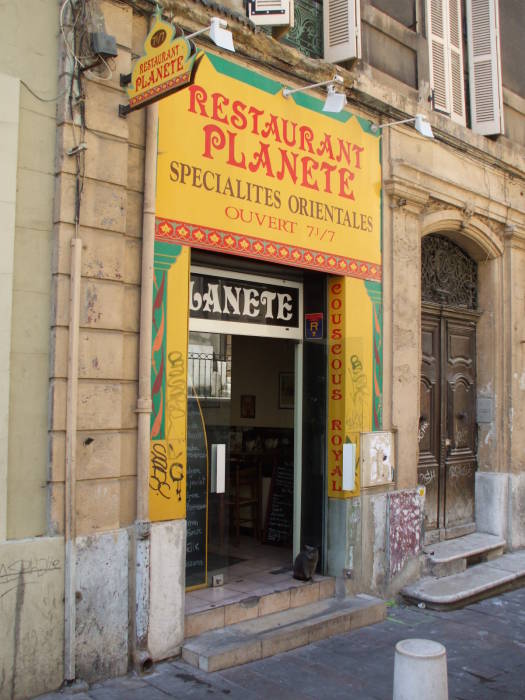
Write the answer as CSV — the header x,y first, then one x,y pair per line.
x,y
447,424
448,275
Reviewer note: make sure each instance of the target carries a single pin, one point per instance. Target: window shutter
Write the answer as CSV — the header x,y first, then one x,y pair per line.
x,y
437,33
457,90
341,29
486,94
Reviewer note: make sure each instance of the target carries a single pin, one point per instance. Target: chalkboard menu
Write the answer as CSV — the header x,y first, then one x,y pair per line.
x,y
279,516
196,491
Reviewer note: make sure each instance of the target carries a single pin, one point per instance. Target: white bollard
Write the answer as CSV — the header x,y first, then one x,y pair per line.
x,y
420,670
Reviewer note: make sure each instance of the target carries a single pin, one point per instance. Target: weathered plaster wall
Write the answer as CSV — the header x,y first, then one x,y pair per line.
x,y
492,503
405,521
166,618
110,229
28,51
9,126
405,337
102,605
31,617
516,529
376,538
516,416
490,350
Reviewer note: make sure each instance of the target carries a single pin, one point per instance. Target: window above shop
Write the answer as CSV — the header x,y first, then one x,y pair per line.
x,y
462,64
445,43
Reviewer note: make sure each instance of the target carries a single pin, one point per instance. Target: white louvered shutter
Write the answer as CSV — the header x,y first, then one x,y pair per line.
x,y
446,57
341,30
457,90
436,32
486,94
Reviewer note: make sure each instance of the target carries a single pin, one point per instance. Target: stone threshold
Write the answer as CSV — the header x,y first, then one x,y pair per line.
x,y
453,556
282,631
287,594
475,583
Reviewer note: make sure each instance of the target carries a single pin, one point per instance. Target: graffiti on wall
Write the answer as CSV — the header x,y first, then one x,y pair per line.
x,y
167,473
405,520
31,570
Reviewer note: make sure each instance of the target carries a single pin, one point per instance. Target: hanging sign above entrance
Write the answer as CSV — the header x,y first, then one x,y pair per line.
x,y
243,170
165,66
229,300
244,304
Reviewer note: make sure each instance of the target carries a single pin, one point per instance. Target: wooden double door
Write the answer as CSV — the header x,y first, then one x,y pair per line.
x,y
447,424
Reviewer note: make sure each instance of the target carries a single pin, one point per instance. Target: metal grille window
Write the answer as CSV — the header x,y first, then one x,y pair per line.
x,y
209,365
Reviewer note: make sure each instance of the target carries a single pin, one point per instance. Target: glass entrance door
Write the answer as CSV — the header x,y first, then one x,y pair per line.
x,y
209,418
241,453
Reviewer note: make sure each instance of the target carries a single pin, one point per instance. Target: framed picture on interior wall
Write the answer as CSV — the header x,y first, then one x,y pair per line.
x,y
286,389
247,406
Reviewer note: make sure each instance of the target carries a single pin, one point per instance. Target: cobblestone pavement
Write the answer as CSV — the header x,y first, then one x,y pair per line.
x,y
485,645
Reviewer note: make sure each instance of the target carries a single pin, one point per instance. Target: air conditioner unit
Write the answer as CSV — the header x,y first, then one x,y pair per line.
x,y
271,12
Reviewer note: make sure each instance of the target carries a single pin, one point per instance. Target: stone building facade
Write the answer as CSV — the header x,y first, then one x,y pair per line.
x,y
92,578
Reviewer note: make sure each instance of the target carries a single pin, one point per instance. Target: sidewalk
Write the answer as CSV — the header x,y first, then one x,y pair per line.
x,y
485,645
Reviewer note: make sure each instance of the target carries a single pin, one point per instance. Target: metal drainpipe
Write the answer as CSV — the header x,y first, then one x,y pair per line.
x,y
141,657
70,475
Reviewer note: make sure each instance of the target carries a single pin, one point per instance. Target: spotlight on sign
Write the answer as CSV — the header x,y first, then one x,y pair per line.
x,y
420,123
335,101
218,34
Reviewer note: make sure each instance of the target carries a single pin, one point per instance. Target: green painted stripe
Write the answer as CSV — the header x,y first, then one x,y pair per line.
x,y
272,87
245,75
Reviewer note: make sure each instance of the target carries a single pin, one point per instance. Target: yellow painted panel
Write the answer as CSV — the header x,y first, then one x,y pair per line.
x,y
350,375
244,170
168,455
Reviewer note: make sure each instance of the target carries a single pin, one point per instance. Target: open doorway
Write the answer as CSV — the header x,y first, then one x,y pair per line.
x,y
241,393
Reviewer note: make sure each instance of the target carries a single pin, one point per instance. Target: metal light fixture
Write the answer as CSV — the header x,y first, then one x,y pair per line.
x,y
218,33
421,125
335,101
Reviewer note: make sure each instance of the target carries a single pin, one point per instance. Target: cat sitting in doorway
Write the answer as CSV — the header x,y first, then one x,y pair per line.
x,y
305,563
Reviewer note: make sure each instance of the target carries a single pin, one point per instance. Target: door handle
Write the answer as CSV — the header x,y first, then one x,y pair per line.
x,y
218,468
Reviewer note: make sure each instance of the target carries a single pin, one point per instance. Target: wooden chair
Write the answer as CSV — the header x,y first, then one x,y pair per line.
x,y
244,498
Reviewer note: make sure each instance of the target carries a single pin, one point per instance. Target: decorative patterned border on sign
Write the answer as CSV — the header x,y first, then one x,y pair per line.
x,y
261,249
160,90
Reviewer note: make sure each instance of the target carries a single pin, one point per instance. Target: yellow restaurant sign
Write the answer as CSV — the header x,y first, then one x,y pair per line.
x,y
244,170
166,65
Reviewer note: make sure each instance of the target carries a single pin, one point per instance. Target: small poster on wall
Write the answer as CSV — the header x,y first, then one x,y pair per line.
x,y
247,406
286,389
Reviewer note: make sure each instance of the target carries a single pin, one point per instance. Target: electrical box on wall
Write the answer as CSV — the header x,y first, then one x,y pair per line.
x,y
103,44
377,458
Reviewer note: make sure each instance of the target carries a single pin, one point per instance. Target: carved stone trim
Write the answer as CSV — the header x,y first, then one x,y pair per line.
x,y
405,194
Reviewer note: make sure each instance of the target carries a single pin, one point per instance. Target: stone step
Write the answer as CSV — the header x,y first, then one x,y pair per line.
x,y
453,556
477,582
272,634
291,595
